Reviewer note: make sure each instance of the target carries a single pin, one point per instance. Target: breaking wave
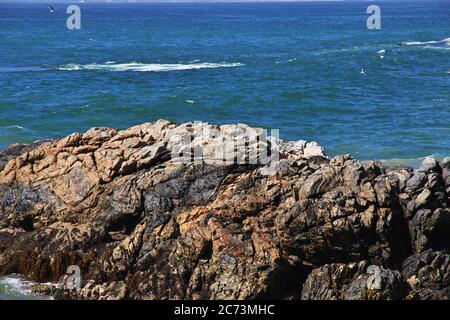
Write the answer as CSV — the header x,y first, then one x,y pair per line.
x,y
16,288
147,67
16,126
440,43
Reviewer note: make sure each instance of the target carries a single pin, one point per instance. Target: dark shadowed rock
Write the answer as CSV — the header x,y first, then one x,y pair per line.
x,y
428,275
425,203
354,281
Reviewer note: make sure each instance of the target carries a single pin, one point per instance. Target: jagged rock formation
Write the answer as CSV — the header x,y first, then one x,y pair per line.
x,y
141,224
353,281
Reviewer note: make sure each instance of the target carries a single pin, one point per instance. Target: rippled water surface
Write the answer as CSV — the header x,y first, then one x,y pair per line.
x,y
292,66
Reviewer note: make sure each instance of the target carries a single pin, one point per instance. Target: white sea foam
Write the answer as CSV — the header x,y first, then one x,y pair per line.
x,y
15,127
147,67
382,52
15,287
443,42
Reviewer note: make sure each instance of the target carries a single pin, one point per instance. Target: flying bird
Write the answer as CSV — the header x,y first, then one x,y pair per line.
x,y
52,9
364,72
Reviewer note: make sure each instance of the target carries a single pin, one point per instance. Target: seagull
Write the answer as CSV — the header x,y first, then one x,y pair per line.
x,y
364,72
51,8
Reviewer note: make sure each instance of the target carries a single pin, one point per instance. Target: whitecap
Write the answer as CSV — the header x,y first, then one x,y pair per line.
x,y
382,51
190,101
15,287
147,67
443,42
70,67
15,127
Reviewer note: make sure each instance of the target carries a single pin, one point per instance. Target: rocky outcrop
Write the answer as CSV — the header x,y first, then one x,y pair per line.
x,y
165,211
354,281
428,275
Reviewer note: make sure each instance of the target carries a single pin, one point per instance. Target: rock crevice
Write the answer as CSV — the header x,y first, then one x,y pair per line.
x,y
144,217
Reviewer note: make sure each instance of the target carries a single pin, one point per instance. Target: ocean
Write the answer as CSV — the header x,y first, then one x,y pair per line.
x,y
291,66
15,287
296,67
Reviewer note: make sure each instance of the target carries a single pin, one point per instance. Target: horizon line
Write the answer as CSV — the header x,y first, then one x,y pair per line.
x,y
204,1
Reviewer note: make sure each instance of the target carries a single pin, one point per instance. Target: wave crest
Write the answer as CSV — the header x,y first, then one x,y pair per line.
x,y
147,67
443,43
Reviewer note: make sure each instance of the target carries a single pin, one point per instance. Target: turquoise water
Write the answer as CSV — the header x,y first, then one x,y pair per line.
x,y
292,66
16,288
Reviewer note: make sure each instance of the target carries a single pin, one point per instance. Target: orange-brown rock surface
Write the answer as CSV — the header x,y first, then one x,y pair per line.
x,y
143,226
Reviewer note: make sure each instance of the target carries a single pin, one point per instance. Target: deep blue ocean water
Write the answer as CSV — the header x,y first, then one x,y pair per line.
x,y
292,66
